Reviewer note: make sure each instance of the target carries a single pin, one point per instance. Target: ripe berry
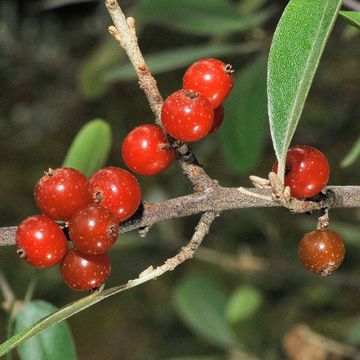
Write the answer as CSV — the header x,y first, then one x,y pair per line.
x,y
93,230
307,171
218,118
210,77
187,115
83,271
321,251
117,190
61,192
146,150
41,241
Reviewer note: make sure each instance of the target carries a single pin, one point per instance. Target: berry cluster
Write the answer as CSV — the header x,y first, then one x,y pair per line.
x,y
196,110
187,115
307,173
89,210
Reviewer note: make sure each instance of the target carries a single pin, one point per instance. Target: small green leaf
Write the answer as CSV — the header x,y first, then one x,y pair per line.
x,y
352,17
243,304
168,60
90,148
242,132
205,17
296,49
201,305
55,343
352,155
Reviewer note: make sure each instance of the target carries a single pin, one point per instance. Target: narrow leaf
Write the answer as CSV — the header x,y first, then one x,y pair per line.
x,y
242,132
352,17
296,49
205,17
177,58
352,155
201,305
90,148
55,343
243,304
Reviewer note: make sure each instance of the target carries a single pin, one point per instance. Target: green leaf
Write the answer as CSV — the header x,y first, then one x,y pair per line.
x,y
242,132
352,155
205,17
177,58
201,305
90,148
243,304
90,77
55,343
352,17
296,49
60,315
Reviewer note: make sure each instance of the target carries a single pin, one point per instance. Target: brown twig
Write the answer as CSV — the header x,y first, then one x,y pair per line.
x,y
124,32
218,200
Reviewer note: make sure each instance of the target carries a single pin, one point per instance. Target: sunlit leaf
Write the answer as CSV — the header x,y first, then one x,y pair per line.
x,y
90,148
242,132
55,343
201,305
296,49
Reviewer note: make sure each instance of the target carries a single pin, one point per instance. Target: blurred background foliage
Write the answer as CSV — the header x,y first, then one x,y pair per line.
x,y
245,292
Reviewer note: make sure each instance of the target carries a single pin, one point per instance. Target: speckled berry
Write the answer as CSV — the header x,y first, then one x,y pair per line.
x,y
93,230
83,272
61,192
187,115
146,150
41,241
117,190
211,78
321,251
307,171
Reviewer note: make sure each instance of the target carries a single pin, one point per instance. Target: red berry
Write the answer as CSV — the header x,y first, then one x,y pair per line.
x,y
61,192
83,271
41,241
218,118
307,171
146,150
93,230
187,115
321,251
117,190
210,77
